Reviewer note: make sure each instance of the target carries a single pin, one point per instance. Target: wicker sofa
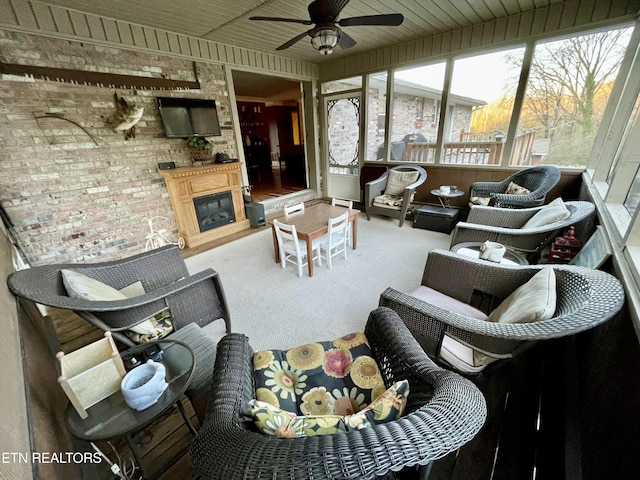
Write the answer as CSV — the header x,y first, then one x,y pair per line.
x,y
444,411
195,301
585,299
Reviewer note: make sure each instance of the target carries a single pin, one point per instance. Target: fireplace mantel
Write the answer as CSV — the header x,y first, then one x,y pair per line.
x,y
186,183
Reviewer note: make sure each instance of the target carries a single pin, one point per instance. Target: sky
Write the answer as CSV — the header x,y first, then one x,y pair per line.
x,y
482,77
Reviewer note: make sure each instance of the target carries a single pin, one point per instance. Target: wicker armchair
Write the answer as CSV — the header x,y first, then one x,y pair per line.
x,y
194,300
538,180
377,187
585,298
502,225
444,411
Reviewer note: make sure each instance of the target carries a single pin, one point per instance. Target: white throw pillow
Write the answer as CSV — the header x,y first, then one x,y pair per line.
x,y
148,326
531,302
550,213
78,285
133,290
397,181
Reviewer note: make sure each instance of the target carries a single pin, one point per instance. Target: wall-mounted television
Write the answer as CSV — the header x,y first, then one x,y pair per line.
x,y
183,117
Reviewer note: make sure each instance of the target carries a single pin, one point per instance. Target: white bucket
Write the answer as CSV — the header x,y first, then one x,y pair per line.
x,y
143,386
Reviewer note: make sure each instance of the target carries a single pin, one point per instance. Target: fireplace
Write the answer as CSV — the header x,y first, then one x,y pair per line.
x,y
213,211
207,201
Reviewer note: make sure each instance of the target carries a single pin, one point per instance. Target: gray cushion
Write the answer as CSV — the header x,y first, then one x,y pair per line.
x,y
204,352
429,295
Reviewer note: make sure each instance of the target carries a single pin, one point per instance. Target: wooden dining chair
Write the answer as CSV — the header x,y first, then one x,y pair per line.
x,y
292,249
344,203
298,207
336,239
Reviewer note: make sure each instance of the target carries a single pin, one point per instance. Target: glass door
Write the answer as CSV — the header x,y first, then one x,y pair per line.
x,y
342,145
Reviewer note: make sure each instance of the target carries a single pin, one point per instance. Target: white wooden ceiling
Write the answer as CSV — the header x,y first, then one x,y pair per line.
x,y
227,21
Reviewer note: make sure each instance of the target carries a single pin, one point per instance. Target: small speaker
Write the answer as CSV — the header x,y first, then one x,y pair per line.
x,y
166,165
255,214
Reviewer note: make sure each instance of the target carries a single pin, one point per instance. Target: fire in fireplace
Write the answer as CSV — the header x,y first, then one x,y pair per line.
x,y
213,211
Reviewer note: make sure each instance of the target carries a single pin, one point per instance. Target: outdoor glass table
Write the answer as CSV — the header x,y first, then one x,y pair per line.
x,y
444,197
113,418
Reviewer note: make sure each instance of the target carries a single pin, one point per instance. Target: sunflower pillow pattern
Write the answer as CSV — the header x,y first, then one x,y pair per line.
x,y
279,423
338,377
322,388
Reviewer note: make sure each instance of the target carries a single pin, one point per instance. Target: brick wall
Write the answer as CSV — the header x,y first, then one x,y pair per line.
x,y
70,199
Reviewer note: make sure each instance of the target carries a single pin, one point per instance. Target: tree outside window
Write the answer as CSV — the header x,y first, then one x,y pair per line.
x,y
569,85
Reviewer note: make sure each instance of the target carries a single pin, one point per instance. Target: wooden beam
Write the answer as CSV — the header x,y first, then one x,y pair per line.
x,y
83,77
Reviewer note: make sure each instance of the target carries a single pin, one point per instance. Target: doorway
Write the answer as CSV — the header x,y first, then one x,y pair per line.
x,y
270,114
342,114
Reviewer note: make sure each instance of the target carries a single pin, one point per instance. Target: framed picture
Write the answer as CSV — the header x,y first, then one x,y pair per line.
x,y
595,252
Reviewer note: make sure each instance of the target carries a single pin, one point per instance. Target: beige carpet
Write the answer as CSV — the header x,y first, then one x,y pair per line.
x,y
277,309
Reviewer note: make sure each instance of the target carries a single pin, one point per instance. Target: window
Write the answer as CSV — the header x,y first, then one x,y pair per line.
x,y
483,91
633,197
569,85
630,123
376,117
417,96
614,169
343,119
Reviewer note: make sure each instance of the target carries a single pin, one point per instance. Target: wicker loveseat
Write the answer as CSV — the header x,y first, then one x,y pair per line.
x,y
444,411
585,299
194,301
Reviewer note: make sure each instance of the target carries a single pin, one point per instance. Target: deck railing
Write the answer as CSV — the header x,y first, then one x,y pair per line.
x,y
472,152
522,148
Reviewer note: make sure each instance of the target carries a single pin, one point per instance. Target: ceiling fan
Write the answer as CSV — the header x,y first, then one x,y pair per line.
x,y
326,33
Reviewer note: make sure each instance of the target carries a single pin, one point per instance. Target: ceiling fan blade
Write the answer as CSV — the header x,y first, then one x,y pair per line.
x,y
293,41
391,19
324,11
279,19
345,41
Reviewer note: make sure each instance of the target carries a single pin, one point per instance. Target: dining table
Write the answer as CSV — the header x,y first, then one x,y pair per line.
x,y
312,223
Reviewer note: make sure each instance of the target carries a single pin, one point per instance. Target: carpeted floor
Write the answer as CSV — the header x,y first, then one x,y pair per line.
x,y
277,309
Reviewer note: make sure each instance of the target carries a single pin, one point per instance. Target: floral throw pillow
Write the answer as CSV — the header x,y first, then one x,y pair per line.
x,y
338,377
162,326
279,423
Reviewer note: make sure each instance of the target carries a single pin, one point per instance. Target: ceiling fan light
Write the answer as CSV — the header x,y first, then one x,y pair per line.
x,y
325,40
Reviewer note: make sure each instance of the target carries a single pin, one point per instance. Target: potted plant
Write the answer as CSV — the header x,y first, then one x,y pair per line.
x,y
201,149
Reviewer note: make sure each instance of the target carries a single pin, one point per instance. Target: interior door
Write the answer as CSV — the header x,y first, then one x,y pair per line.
x,y
342,145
